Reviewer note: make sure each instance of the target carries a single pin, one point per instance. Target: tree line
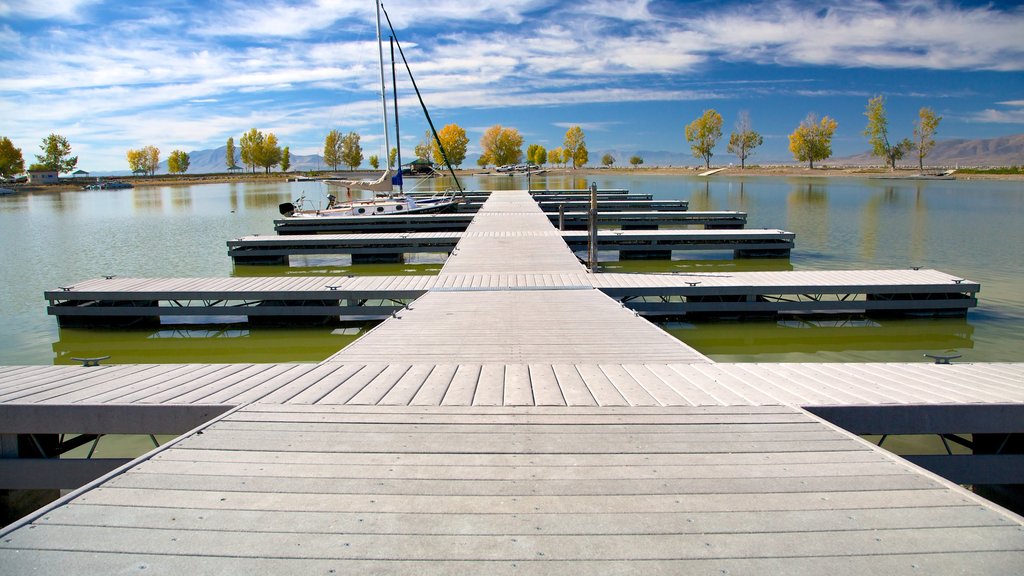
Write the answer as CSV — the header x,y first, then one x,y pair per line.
x,y
812,139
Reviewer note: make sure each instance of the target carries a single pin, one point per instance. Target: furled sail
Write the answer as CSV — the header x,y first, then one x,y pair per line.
x,y
382,184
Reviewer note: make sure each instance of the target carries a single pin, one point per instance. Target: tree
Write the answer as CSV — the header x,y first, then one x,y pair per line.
x,y
230,154
425,150
137,160
877,132
453,138
150,159
286,159
177,162
392,156
536,154
374,161
11,160
574,147
924,131
268,154
332,149
556,156
502,146
703,134
812,140
252,146
351,151
607,160
636,160
56,154
743,140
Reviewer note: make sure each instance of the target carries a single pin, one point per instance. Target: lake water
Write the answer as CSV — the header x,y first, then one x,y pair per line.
x,y
973,229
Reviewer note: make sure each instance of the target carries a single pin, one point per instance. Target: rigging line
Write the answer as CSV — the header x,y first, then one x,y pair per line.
x,y
422,104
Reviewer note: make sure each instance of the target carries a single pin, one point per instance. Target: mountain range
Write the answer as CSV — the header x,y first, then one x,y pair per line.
x,y
1001,151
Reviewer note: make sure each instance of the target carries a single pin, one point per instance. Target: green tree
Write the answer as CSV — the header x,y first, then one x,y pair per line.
x,y
230,156
453,138
177,162
332,149
812,140
607,160
574,147
56,154
703,135
536,154
635,160
286,159
374,161
11,160
743,140
502,146
252,146
877,132
924,133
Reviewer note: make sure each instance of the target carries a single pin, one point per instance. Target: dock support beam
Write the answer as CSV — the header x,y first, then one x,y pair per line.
x,y
592,229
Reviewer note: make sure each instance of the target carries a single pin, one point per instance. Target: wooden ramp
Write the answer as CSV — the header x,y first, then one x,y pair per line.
x,y
342,490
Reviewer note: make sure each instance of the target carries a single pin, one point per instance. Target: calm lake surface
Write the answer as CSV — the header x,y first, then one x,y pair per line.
x,y
973,229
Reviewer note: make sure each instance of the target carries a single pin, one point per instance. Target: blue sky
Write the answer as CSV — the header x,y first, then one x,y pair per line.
x,y
188,74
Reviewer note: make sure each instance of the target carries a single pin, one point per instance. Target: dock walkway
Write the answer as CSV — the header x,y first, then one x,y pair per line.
x,y
451,441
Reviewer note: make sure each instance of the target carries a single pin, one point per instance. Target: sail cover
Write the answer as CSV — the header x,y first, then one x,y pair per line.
x,y
382,184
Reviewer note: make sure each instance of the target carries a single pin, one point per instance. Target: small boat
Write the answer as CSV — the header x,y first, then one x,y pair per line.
x,y
377,206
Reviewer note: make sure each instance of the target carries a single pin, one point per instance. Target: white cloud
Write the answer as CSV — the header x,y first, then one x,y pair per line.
x,y
65,10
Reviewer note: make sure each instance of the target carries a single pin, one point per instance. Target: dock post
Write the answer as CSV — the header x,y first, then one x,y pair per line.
x,y
592,229
561,217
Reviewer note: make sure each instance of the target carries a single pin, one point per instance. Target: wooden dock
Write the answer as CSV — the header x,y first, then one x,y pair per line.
x,y
390,247
466,440
326,299
458,222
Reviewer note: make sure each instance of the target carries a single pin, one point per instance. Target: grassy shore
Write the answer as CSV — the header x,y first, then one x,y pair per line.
x,y
769,171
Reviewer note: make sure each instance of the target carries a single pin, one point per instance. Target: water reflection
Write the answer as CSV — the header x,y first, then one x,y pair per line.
x,y
807,214
838,340
205,344
148,199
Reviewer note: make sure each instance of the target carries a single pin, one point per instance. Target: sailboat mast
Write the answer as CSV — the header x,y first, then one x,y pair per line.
x,y
383,92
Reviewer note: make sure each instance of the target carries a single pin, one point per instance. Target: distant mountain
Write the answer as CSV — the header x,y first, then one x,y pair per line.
x,y
1002,151
213,161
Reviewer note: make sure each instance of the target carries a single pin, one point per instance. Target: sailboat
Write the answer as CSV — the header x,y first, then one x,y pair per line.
x,y
383,201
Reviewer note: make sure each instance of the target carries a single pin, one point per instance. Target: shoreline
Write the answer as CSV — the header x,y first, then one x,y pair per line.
x,y
729,171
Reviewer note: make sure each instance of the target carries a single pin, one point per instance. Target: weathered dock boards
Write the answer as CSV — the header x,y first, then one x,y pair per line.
x,y
54,399
362,247
793,292
458,222
271,489
661,243
547,265
502,457
649,243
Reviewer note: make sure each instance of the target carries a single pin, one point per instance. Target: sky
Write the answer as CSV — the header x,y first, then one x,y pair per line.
x,y
115,75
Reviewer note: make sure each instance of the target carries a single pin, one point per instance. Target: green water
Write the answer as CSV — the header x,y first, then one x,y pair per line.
x,y
973,229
